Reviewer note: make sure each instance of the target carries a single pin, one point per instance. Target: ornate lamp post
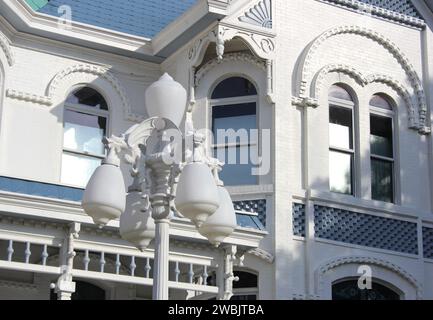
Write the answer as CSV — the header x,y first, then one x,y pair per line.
x,y
160,185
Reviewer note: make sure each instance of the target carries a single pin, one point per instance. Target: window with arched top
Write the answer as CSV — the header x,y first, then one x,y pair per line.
x,y
349,290
382,148
246,288
341,140
234,115
85,123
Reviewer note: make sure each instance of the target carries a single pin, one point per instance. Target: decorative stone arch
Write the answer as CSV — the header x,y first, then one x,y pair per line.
x,y
95,76
318,82
232,64
306,74
7,50
231,57
346,267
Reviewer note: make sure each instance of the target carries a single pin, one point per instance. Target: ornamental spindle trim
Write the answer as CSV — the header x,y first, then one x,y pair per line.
x,y
44,255
27,253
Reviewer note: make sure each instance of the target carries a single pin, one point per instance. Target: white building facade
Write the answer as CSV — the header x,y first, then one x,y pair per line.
x,y
339,91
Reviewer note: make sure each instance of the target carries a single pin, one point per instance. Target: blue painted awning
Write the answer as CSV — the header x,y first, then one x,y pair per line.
x,y
144,18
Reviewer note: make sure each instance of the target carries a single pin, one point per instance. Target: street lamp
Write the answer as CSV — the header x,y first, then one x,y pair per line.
x,y
160,185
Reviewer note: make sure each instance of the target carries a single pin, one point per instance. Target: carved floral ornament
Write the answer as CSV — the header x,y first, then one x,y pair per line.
x,y
310,81
259,15
262,45
331,265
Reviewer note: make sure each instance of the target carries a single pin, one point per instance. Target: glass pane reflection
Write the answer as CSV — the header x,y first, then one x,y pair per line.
x,y
340,172
238,167
340,127
76,169
84,132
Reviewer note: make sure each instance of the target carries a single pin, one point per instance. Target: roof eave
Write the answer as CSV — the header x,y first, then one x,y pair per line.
x,y
24,19
187,26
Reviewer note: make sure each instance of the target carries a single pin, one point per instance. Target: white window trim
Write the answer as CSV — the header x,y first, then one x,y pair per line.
x,y
392,115
234,101
90,111
341,103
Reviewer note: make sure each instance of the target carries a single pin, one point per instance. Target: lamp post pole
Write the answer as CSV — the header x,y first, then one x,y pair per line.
x,y
159,185
160,200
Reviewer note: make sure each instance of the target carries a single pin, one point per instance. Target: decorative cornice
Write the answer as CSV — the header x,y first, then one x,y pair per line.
x,y
306,72
28,97
378,11
236,57
322,270
7,50
259,15
262,254
101,72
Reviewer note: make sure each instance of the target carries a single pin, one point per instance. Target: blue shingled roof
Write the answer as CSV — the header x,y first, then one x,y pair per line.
x,y
144,18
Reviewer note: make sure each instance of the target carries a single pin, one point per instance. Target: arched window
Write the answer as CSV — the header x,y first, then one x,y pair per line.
x,y
382,148
341,140
84,125
247,286
234,109
349,290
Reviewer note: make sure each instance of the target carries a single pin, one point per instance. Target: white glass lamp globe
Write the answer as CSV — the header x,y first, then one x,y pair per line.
x,y
222,223
137,226
197,194
166,98
104,197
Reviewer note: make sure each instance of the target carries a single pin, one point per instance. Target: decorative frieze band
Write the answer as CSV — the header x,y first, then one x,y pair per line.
x,y
28,97
379,11
310,78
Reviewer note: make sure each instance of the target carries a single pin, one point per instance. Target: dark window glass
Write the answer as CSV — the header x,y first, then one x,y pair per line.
x,y
231,127
349,290
340,128
380,102
89,97
381,136
339,92
234,87
246,280
382,180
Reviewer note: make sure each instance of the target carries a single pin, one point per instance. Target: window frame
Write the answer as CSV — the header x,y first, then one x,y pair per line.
x,y
390,114
221,102
88,110
349,105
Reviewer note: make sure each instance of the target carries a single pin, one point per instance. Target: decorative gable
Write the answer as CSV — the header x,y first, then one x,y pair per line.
x,y
259,15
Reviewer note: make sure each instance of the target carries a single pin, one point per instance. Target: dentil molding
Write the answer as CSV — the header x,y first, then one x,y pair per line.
x,y
306,73
101,72
29,97
378,11
235,57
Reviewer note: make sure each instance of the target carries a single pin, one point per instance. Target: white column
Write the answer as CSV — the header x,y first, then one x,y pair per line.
x,y
161,263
